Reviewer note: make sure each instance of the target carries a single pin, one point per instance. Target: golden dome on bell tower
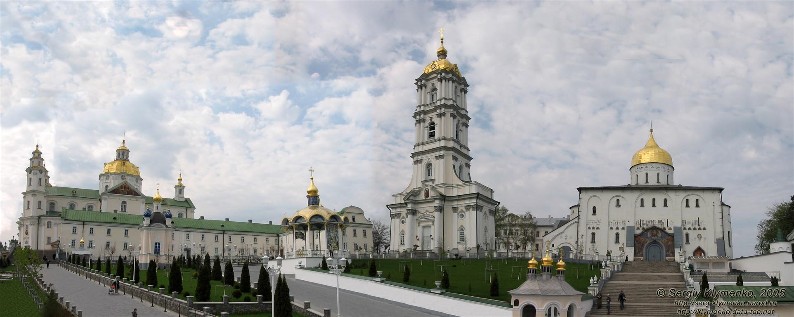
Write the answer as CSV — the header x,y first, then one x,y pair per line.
x,y
442,64
651,153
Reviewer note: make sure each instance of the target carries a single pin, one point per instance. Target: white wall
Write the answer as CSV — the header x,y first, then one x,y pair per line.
x,y
425,300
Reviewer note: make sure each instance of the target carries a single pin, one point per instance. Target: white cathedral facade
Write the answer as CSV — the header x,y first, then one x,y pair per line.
x,y
442,209
650,219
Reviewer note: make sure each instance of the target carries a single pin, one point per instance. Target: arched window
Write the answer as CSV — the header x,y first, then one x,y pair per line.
x,y
515,302
636,180
457,131
617,237
402,237
124,206
646,178
90,207
49,224
429,170
697,203
668,179
72,206
657,178
686,202
664,202
592,237
686,238
594,210
51,206
433,93
431,130
461,234
106,187
179,215
157,248
653,202
642,202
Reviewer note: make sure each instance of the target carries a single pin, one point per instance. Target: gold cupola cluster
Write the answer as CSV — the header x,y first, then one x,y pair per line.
x,y
651,153
157,198
532,264
442,64
546,260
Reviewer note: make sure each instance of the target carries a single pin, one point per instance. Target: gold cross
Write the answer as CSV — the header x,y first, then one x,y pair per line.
x,y
311,172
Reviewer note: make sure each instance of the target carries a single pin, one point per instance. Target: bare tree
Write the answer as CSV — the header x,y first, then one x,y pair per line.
x,y
380,236
526,228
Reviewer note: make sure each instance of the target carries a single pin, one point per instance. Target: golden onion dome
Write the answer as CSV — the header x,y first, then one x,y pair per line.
x,y
311,211
532,264
82,241
121,167
157,198
560,265
547,261
179,180
442,64
37,151
651,153
312,190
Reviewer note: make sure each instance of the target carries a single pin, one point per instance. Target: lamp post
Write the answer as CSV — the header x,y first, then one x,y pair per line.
x,y
336,266
272,271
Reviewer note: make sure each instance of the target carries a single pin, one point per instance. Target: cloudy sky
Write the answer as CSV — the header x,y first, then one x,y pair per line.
x,y
244,97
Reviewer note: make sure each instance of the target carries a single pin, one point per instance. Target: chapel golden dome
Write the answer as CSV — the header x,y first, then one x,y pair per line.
x,y
560,265
651,153
533,264
37,151
547,261
312,190
179,180
123,145
157,198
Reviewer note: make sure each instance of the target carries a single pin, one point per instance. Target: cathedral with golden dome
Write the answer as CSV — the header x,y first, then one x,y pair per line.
x,y
649,219
442,209
118,219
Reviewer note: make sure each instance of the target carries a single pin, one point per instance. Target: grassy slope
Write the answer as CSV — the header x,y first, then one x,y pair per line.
x,y
14,299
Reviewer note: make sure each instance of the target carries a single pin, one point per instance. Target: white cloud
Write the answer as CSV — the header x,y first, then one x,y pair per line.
x,y
243,97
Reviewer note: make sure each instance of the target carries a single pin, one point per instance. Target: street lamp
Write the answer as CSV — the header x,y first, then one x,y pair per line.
x,y
272,271
336,266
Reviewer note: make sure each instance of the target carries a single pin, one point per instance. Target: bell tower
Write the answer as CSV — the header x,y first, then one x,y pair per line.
x,y
37,182
441,151
442,209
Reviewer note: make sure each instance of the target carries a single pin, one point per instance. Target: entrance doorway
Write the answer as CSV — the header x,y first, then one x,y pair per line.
x,y
654,252
426,238
528,311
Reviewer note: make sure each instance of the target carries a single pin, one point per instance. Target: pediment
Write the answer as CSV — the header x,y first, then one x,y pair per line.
x,y
125,189
420,193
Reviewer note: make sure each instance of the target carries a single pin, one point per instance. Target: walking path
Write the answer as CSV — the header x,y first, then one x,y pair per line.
x,y
93,298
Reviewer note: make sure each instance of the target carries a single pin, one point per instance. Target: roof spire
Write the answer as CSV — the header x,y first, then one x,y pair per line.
x,y
312,190
441,52
651,126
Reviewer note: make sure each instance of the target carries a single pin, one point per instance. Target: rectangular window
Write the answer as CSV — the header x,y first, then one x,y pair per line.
x,y
107,245
72,244
39,203
216,240
108,231
126,232
230,238
49,224
202,237
27,204
653,202
90,244
39,181
49,240
697,203
537,233
157,248
91,230
364,232
125,245
74,230
254,240
729,238
242,239
686,238
202,249
187,236
267,240
354,233
216,250
686,202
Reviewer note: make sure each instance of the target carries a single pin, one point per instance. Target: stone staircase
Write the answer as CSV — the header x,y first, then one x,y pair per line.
x,y
639,281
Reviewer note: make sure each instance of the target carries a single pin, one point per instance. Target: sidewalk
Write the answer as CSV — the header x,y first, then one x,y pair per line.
x,y
93,299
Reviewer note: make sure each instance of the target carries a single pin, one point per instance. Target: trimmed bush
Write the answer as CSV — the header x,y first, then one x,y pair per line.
x,y
175,278
445,280
120,267
245,279
406,274
228,273
237,293
151,273
324,264
263,283
247,298
203,283
495,286
373,269
216,269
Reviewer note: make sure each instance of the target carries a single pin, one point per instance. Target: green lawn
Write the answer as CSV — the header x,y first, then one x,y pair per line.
x,y
469,276
15,299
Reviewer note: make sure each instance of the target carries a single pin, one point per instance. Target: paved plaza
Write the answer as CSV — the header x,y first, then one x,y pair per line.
x,y
93,298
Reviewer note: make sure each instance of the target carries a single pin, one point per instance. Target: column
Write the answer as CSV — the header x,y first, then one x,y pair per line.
x,y
410,234
438,223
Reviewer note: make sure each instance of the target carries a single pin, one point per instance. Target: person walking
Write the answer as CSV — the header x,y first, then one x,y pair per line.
x,y
622,299
134,312
598,301
609,305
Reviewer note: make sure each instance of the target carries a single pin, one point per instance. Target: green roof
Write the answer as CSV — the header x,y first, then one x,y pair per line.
x,y
179,223
78,192
220,225
103,217
171,202
778,294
